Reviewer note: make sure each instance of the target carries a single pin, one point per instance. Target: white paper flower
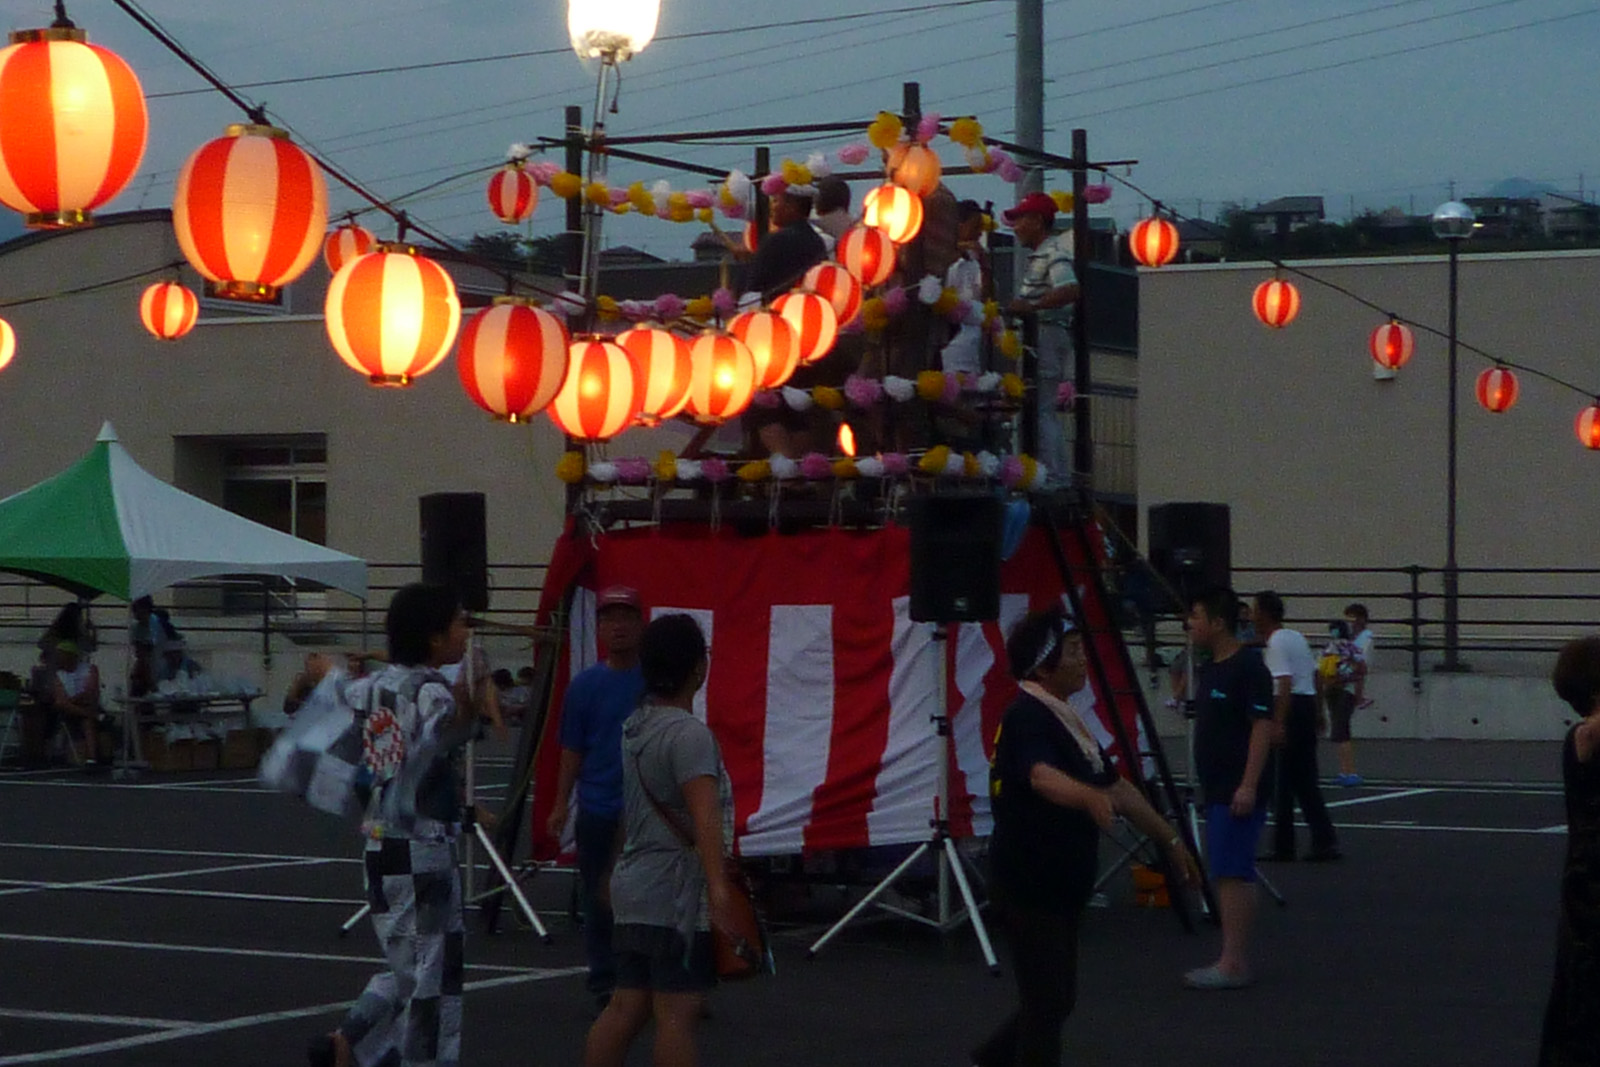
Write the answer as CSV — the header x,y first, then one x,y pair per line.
x,y
739,186
797,399
988,464
749,300
1041,474
689,470
955,464
870,467
566,305
784,468
989,383
899,389
818,165
604,473
928,289
518,151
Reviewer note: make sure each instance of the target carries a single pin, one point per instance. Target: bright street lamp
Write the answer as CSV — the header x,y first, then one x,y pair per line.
x,y
1452,222
613,30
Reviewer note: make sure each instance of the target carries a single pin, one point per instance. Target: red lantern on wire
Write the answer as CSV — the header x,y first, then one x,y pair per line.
x,y
866,253
773,343
724,378
813,320
392,314
1154,241
346,243
600,397
1588,426
750,242
168,310
916,167
893,210
838,287
513,195
1276,303
513,358
665,370
1497,389
1392,344
73,125
250,211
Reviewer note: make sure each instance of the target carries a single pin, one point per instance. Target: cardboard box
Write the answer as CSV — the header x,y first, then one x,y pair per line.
x,y
207,754
163,755
242,749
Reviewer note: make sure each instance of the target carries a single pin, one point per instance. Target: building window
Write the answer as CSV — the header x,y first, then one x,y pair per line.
x,y
281,483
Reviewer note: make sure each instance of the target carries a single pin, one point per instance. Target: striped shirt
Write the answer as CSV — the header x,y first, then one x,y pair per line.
x,y
1049,267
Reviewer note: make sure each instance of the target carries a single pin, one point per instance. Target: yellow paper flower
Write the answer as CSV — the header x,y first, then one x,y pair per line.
x,y
1010,344
755,471
678,209
640,198
885,130
700,307
598,194
1064,201
935,459
726,197
666,465
967,132
969,465
930,386
566,185
1030,471
991,311
570,468
607,306
989,225
703,215
845,468
623,208
1011,386
828,398
948,299
795,173
875,314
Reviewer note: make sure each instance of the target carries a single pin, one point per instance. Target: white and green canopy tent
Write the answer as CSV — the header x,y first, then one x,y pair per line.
x,y
106,525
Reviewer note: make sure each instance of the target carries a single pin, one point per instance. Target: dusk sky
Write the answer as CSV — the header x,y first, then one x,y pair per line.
x,y
1370,104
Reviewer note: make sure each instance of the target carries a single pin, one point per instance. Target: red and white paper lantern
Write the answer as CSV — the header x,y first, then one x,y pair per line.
x,y
1587,426
513,195
665,370
513,359
724,379
168,310
916,167
1391,345
1276,303
8,344
866,253
813,320
894,210
1497,390
392,315
250,212
600,397
838,287
345,243
773,344
1154,241
73,126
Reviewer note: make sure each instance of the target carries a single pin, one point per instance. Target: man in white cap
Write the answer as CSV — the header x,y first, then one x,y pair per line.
x,y
1048,291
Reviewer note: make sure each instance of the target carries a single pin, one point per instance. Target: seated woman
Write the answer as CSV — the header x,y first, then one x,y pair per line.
x,y
75,695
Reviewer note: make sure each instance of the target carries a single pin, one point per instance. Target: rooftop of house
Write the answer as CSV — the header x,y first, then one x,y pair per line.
x,y
1290,205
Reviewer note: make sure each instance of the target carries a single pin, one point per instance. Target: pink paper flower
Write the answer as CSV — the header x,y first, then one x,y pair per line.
x,y
619,197
699,198
669,306
542,171
715,470
814,466
733,211
1066,394
853,328
724,302
634,310
767,398
1011,472
961,312
1010,171
633,471
928,127
773,184
863,392
952,389
896,464
1096,193
895,301
854,154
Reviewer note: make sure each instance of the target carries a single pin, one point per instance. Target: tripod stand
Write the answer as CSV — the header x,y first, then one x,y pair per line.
x,y
951,865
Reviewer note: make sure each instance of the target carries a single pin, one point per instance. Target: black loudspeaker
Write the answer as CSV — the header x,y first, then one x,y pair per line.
x,y
955,558
1190,545
455,545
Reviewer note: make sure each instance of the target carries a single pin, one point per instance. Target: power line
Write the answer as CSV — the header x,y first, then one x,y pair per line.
x,y
92,287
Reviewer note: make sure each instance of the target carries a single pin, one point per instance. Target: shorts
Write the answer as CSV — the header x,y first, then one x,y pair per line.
x,y
1231,842
655,958
1341,706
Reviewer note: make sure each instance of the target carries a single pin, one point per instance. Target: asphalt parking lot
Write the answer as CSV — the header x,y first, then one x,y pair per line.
x,y
194,920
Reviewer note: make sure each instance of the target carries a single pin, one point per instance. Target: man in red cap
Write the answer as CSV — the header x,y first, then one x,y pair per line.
x,y
1048,290
598,701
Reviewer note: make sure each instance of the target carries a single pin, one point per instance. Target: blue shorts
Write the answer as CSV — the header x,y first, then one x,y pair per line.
x,y
1231,842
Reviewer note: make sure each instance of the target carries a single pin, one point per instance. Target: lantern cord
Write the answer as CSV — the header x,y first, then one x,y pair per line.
x,y
1286,268
110,283
62,22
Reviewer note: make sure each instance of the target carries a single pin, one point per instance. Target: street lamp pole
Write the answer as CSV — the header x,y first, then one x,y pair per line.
x,y
1454,222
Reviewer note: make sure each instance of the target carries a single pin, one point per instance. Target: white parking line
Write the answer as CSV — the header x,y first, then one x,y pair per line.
x,y
1435,828
246,1021
134,879
52,846
134,1021
218,950
1380,796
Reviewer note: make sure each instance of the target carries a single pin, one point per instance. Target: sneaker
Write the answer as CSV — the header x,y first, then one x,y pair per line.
x,y
1349,780
1213,977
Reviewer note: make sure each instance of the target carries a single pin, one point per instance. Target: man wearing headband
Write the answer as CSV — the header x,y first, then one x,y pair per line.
x,y
1053,789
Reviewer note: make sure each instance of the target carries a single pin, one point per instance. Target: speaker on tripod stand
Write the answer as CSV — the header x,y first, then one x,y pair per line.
x,y
1190,547
455,545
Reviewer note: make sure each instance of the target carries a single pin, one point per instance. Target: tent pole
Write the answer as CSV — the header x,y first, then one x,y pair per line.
x,y
266,625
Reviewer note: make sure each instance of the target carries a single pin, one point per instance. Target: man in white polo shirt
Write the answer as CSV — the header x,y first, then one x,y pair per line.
x,y
1294,707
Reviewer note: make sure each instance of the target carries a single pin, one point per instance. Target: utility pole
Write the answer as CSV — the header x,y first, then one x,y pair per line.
x,y
1029,121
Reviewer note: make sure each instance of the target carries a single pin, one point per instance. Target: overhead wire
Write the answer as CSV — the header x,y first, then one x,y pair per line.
x,y
92,287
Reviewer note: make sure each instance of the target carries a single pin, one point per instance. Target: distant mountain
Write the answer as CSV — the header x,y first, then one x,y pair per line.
x,y
1515,188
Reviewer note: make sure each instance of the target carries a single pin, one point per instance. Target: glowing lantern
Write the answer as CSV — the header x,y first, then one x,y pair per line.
x,y
724,379
168,310
392,314
8,343
838,287
72,125
664,368
512,193
847,440
346,243
1276,303
750,237
916,167
866,253
1391,345
250,211
813,320
897,212
1588,425
611,29
1497,389
1154,242
513,358
773,344
600,397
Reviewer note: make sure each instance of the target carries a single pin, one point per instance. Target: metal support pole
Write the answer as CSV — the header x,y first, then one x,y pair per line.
x,y
1082,366
1452,606
593,218
763,203
1416,627
1029,117
574,235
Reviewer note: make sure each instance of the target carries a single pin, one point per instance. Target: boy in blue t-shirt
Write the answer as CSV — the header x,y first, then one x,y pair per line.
x,y
598,700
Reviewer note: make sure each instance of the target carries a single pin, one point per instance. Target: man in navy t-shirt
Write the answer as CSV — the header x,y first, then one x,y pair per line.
x,y
598,701
1233,735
